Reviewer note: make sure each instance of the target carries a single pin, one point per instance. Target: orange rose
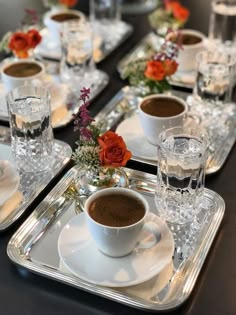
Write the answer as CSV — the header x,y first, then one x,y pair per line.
x,y
19,42
68,3
180,13
113,151
170,66
169,5
34,38
155,70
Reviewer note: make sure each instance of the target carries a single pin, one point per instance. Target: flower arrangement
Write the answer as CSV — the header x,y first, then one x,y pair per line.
x,y
24,40
172,15
153,72
97,150
64,3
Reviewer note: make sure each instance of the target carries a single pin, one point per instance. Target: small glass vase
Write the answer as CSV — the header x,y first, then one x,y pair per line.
x,y
89,181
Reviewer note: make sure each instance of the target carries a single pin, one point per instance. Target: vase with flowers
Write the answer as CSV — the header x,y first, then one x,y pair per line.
x,y
150,75
99,156
171,14
22,42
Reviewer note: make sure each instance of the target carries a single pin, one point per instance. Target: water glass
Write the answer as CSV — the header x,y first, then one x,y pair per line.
x,y
77,63
31,130
104,11
223,21
105,19
181,156
214,79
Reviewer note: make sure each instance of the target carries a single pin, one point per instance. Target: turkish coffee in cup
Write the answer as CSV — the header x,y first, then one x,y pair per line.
x,y
159,112
116,218
19,73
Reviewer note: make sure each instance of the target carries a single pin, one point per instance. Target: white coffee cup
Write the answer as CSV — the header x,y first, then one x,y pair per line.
x,y
18,73
54,21
122,240
187,52
153,125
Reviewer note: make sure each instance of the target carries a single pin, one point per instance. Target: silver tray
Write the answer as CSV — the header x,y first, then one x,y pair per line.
x,y
63,114
124,104
47,49
146,48
30,245
31,185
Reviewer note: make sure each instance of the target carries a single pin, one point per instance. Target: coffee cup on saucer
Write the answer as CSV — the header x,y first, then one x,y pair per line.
x,y
159,112
18,73
191,42
116,218
54,20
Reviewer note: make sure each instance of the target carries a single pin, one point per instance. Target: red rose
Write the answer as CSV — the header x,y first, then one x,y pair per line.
x,y
19,42
180,13
170,66
68,3
113,151
34,38
155,70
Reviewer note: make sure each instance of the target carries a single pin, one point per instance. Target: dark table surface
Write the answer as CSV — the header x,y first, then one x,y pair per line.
x,y
22,292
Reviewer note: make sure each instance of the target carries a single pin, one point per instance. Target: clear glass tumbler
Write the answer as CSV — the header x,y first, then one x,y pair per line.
x,y
222,26
215,72
77,65
31,130
105,19
104,11
181,156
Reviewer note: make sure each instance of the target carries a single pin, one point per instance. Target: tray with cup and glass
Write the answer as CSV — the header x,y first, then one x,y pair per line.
x,y
155,282
64,91
121,114
157,265
151,77
30,148
102,17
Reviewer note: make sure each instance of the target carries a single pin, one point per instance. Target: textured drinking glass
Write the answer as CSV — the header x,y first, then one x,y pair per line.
x,y
181,156
77,54
104,11
214,80
31,131
222,27
105,19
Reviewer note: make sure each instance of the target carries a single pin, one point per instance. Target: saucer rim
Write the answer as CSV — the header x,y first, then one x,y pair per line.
x,y
134,118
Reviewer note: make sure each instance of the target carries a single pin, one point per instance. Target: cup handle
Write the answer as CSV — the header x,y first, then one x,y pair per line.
x,y
154,231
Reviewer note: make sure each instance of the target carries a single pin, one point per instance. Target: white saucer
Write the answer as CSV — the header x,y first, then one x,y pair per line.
x,y
132,132
183,78
9,180
80,255
48,47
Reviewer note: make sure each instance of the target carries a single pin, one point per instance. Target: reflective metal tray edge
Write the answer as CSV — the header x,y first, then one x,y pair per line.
x,y
45,215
